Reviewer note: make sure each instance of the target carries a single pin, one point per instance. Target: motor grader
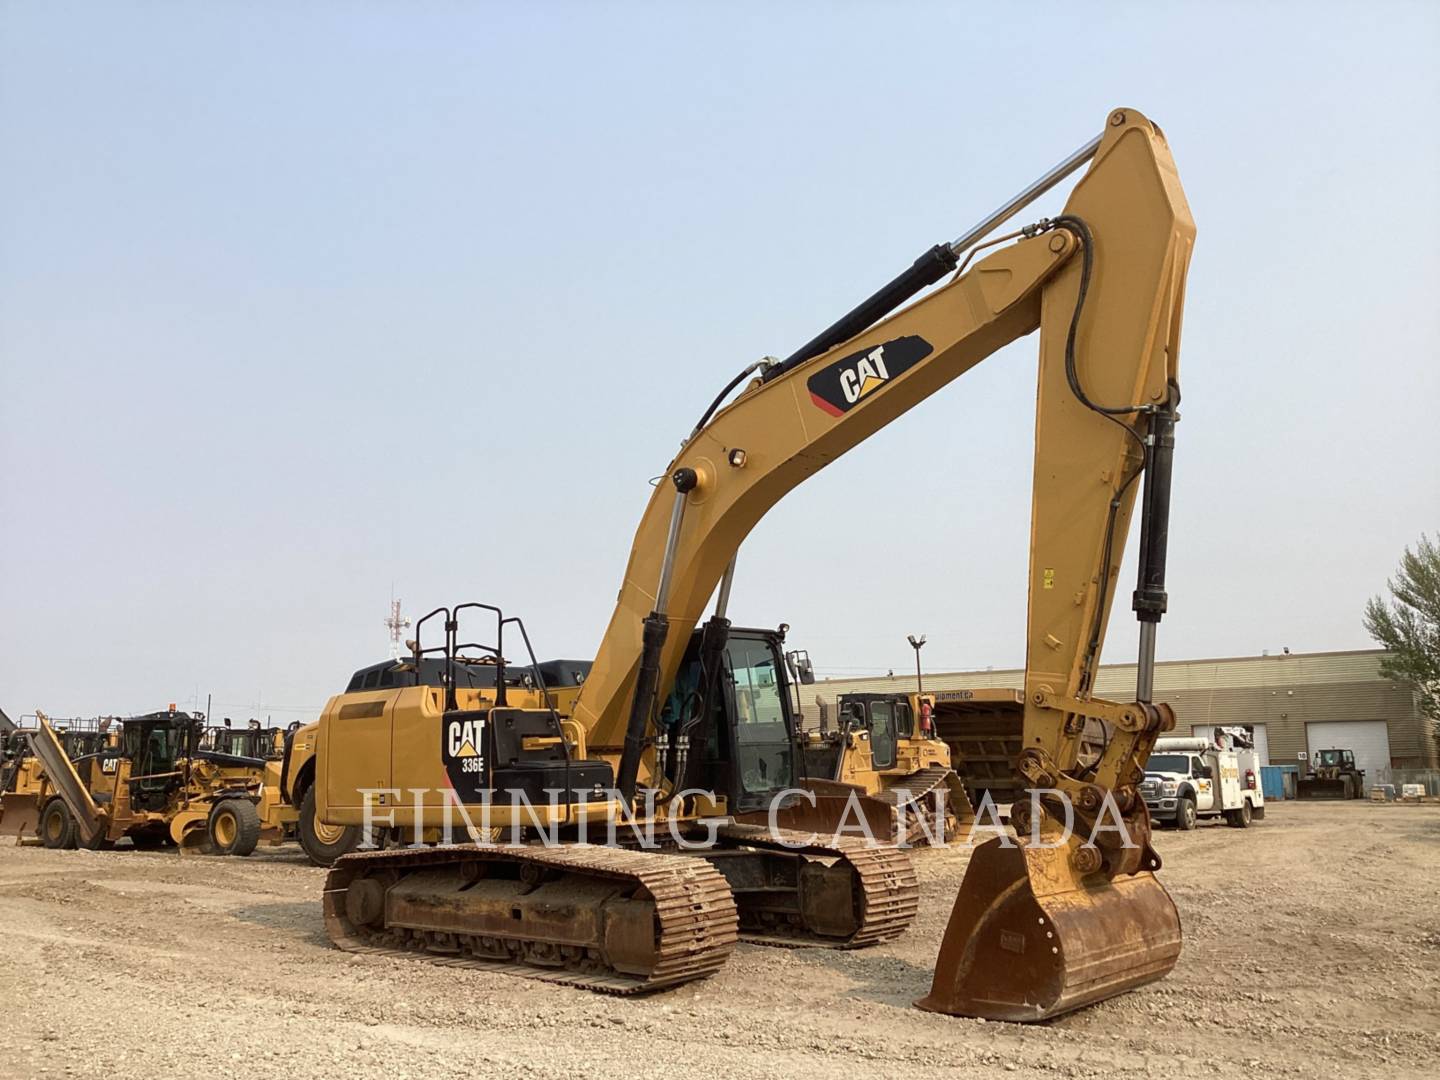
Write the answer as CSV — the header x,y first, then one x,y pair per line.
x,y
681,724
154,786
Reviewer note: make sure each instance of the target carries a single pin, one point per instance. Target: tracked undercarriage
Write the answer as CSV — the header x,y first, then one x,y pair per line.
x,y
928,808
615,920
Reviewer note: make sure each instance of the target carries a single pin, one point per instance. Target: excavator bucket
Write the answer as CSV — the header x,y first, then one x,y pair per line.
x,y
1029,938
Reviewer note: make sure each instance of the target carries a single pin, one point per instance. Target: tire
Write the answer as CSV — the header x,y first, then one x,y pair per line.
x,y
1185,816
1239,818
57,826
233,827
324,843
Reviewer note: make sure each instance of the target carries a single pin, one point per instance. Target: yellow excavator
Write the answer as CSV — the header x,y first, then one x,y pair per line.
x,y
682,723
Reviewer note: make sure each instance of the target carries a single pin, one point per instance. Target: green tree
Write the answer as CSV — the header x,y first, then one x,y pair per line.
x,y
1409,626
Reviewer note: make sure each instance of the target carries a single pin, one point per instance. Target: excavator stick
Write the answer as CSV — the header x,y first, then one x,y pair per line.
x,y
1043,927
1030,939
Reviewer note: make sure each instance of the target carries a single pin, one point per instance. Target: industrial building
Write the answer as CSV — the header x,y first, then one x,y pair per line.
x,y
1294,703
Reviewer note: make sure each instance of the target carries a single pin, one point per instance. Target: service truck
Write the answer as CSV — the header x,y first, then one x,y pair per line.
x,y
1187,779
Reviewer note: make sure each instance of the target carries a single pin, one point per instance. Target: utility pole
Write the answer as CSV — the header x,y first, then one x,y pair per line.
x,y
916,644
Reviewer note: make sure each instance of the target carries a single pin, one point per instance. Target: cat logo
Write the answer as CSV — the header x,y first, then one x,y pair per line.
x,y
839,387
462,750
461,737
109,765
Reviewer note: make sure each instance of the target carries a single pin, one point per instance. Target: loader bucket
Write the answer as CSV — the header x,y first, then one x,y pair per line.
x,y
19,814
1317,788
1029,938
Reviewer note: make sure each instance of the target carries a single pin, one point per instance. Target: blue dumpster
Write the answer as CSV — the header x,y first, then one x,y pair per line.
x,y
1272,781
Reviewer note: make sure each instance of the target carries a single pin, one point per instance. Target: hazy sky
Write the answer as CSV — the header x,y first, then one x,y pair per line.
x,y
302,301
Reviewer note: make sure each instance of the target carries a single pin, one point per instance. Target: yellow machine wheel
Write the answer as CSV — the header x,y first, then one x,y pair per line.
x,y
233,827
323,842
57,826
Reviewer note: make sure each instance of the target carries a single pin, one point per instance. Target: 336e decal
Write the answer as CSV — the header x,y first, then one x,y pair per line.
x,y
839,387
462,749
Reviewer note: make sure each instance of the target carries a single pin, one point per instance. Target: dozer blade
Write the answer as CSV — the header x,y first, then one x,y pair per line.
x,y
928,807
837,809
1029,939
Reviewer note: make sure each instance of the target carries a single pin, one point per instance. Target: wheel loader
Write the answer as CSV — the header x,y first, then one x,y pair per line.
x,y
154,785
1332,774
680,724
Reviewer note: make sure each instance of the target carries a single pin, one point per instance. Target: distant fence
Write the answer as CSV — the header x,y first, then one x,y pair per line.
x,y
1430,778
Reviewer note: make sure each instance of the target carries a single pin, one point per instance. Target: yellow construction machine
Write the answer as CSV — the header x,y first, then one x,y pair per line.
x,y
884,747
682,722
152,783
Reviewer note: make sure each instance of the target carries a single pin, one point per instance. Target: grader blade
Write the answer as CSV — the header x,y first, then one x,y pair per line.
x,y
1029,938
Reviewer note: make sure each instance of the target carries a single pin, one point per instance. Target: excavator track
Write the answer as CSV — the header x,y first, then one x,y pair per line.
x,y
605,919
883,889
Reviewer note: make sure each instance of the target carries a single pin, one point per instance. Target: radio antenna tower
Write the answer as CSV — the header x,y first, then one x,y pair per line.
x,y
397,625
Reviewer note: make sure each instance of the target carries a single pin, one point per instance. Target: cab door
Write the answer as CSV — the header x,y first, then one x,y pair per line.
x,y
882,734
1205,785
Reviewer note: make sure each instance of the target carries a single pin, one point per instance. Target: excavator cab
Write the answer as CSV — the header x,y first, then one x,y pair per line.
x,y
735,705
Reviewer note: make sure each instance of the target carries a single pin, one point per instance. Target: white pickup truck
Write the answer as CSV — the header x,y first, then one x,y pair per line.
x,y
1189,778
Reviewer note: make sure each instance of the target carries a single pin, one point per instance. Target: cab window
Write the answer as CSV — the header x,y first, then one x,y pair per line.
x,y
762,737
882,734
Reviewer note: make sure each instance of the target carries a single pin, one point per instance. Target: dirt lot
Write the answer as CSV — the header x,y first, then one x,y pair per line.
x,y
1323,958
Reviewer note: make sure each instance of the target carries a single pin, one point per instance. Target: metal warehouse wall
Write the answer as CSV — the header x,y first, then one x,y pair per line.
x,y
1282,692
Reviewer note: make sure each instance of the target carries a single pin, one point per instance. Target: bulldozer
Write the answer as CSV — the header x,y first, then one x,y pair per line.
x,y
681,725
885,749
153,784
1331,774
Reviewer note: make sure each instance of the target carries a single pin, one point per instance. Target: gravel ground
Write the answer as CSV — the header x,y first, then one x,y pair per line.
x,y
1312,948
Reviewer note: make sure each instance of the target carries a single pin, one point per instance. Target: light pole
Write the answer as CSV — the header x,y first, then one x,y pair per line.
x,y
916,643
